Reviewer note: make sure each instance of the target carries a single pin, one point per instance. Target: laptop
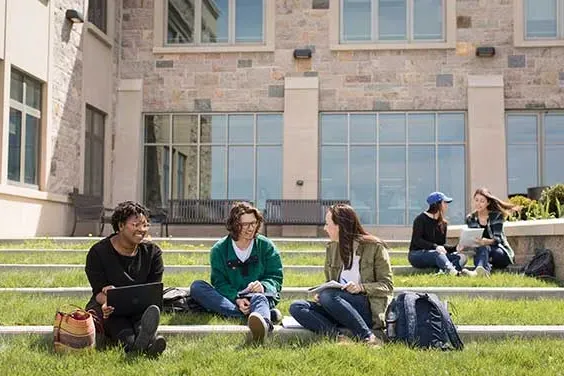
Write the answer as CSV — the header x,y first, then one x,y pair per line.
x,y
133,300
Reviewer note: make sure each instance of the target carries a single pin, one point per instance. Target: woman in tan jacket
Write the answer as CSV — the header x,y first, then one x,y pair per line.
x,y
360,262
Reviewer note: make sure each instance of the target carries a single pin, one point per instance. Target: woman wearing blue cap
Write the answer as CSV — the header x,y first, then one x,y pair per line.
x,y
427,248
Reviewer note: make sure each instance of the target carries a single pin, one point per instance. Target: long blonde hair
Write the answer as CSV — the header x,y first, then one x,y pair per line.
x,y
496,204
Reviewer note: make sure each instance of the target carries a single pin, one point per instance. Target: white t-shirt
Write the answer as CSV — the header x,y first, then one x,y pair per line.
x,y
242,254
353,274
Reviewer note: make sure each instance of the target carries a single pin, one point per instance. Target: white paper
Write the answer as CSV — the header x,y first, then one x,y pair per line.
x,y
468,236
289,322
327,285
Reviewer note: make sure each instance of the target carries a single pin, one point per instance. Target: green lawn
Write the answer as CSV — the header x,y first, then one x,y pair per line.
x,y
227,355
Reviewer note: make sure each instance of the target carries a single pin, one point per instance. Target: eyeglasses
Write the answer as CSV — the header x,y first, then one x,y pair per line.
x,y
139,224
249,224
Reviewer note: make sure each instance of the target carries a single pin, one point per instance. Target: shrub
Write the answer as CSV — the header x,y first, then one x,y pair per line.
x,y
524,203
553,197
538,210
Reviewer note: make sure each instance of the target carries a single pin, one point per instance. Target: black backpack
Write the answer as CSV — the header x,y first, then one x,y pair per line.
x,y
421,320
541,265
177,300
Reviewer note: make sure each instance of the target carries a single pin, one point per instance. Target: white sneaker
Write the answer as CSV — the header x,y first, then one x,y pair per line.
x,y
258,326
469,273
453,272
481,271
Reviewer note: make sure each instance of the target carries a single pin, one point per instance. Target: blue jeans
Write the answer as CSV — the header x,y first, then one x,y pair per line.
x,y
336,308
491,256
433,259
208,297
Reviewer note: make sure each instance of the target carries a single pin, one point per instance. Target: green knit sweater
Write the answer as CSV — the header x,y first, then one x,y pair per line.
x,y
264,265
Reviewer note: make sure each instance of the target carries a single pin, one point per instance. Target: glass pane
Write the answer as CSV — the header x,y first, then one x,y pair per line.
x,y
157,129
427,19
522,170
521,129
185,129
452,182
421,175
554,128
363,128
392,128
215,21
333,128
249,21
392,19
213,129
180,25
421,127
213,183
451,127
33,94
553,171
98,124
156,176
88,124
88,164
540,18
16,86
363,182
270,128
241,129
392,185
240,173
356,20
269,178
14,145
333,172
184,172
97,169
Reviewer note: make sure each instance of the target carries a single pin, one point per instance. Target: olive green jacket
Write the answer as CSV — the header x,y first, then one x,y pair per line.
x,y
375,275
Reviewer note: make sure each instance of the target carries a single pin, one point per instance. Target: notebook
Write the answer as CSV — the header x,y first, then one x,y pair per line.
x,y
133,300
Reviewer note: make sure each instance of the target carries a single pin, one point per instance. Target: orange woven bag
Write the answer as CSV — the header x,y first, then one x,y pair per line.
x,y
73,331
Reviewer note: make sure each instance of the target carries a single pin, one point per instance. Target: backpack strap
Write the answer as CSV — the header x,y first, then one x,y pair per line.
x,y
447,322
410,315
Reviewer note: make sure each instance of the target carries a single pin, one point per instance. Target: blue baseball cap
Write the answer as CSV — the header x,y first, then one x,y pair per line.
x,y
435,197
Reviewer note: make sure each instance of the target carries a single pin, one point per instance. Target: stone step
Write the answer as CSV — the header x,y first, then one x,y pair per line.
x,y
467,332
201,242
509,293
397,270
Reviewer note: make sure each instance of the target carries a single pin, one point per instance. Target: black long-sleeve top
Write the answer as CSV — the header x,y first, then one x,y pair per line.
x,y
105,266
427,234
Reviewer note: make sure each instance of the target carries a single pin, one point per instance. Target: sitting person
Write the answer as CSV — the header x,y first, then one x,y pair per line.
x,y
493,250
427,248
361,263
123,259
248,263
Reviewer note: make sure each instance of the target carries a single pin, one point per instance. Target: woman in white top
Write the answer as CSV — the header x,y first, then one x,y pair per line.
x,y
361,263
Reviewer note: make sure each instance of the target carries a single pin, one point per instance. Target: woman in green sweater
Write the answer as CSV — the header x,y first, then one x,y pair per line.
x,y
246,274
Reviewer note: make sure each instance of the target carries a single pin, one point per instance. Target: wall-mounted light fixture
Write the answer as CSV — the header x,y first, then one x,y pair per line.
x,y
302,53
485,51
74,16
299,183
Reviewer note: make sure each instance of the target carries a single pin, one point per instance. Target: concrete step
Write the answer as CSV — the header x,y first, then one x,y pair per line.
x,y
201,242
467,332
509,293
397,270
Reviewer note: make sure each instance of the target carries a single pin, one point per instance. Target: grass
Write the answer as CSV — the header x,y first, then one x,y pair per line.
x,y
48,257
227,355
27,309
70,278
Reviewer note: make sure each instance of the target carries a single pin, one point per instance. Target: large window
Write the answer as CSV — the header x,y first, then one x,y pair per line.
x,y
544,19
97,13
94,153
401,21
212,156
215,22
387,163
25,129
535,150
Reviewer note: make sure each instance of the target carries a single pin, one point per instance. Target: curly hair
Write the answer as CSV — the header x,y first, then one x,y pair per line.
x,y
126,209
233,223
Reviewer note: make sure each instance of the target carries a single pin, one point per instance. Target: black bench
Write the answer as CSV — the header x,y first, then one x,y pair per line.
x,y
89,209
297,212
197,212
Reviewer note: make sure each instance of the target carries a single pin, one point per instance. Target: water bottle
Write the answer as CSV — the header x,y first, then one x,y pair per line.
x,y
391,320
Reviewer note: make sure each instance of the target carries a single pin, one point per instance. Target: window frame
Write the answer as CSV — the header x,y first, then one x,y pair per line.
x,y
102,6
448,30
26,110
377,144
90,139
520,38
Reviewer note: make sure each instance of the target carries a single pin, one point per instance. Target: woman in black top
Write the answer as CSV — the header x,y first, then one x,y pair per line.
x,y
427,248
123,259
